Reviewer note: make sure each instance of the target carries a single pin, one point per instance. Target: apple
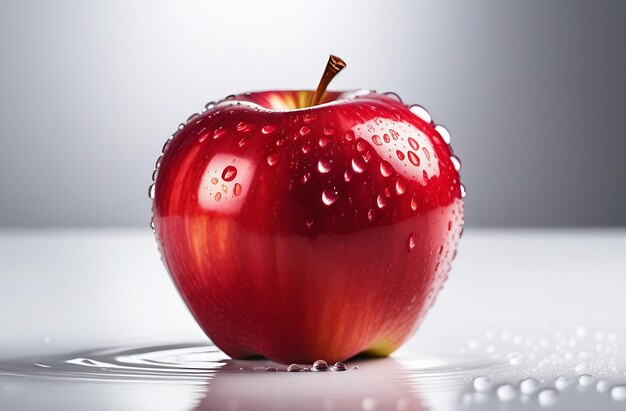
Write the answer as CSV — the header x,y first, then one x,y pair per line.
x,y
301,225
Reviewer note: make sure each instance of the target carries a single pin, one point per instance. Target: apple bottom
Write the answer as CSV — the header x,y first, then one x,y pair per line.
x,y
295,299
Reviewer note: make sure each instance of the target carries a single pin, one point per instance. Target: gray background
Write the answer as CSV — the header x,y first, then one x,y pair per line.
x,y
533,92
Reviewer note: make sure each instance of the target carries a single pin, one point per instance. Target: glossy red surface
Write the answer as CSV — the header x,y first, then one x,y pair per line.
x,y
312,233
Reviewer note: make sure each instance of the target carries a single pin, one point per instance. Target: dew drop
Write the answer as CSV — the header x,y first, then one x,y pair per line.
x,y
400,187
412,241
506,392
329,131
214,180
386,138
585,380
349,135
307,118
294,368
618,393
305,178
400,155
376,140
218,196
361,146
329,196
481,384
370,215
225,188
357,165
306,147
219,132
155,173
166,145
158,162
237,189
271,369
455,162
602,386
450,228
547,397
320,365
426,153
242,126
413,143
229,173
443,132
270,128
529,386
413,204
324,166
394,134
421,112
209,105
367,156
272,159
561,382
413,158
463,192
338,366
323,141
152,191
304,131
152,223
381,201
385,168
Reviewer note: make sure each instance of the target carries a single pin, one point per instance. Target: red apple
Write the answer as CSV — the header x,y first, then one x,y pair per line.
x,y
301,232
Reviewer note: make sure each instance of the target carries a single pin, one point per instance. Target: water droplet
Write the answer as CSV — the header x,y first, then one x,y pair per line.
x,y
412,241
209,105
237,189
347,176
242,126
219,132
152,191
329,196
421,112
618,393
400,187
294,368
304,131
355,367
367,156
455,162
481,384
376,140
308,117
585,380
413,143
320,365
309,223
329,131
463,192
305,178
394,134
449,225
218,196
413,204
271,369
361,146
152,223
349,135
166,145
270,128
181,126
155,173
370,215
561,382
158,162
225,188
358,165
338,366
426,153
506,392
400,155
323,141
214,180
547,397
324,166
385,168
381,201
529,386
443,132
272,159
413,158
306,147
602,386
229,173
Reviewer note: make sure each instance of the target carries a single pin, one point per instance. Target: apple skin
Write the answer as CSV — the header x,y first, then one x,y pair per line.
x,y
313,233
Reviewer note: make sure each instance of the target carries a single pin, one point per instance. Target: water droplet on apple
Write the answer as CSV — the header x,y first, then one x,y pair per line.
x,y
338,366
214,180
309,223
270,128
455,162
393,96
308,117
218,196
305,178
355,367
412,241
386,138
358,165
152,223
585,380
272,159
347,176
385,168
304,131
349,135
361,146
209,105
155,173
443,132
324,166
376,140
506,392
426,153
166,145
271,369
400,187
181,126
421,112
294,368
400,155
413,143
329,131
225,188
237,189
370,215
219,132
367,156
618,393
481,384
242,126
158,162
306,147
229,173
463,192
323,141
547,397
413,158
381,201
152,191
329,196
320,365
413,204
529,386
449,225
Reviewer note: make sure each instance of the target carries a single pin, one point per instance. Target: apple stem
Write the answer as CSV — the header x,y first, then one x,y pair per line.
x,y
334,66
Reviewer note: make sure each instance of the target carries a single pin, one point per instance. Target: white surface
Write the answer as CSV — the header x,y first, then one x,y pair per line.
x,y
69,290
